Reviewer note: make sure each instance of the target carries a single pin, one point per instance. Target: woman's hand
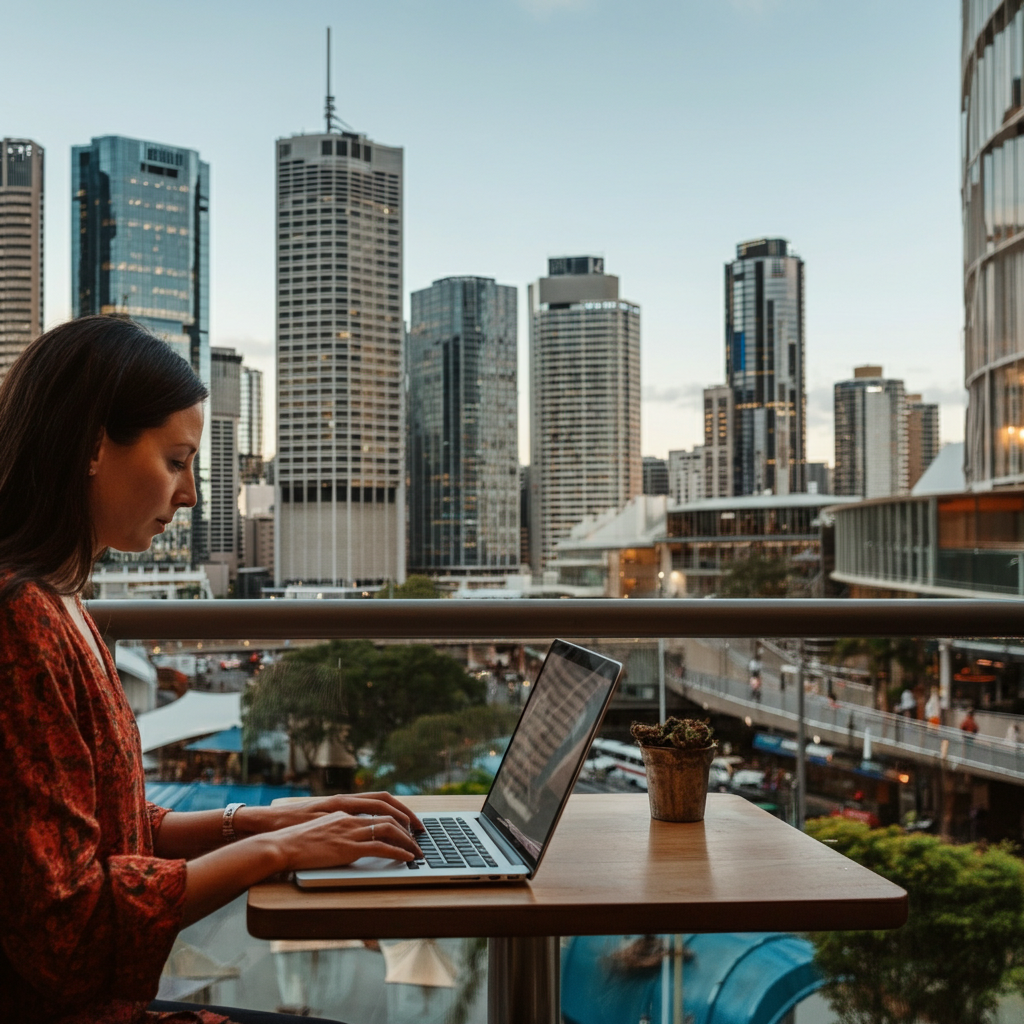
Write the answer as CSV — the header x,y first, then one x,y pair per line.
x,y
320,838
257,820
332,839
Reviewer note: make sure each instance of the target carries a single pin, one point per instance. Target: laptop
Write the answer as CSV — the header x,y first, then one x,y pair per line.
x,y
507,839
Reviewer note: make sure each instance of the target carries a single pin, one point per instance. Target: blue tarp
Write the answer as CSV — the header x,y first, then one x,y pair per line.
x,y
733,978
230,741
208,796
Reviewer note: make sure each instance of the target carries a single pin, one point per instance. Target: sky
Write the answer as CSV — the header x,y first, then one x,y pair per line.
x,y
655,133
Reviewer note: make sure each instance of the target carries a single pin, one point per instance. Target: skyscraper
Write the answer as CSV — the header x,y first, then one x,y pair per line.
x,y
686,471
719,441
340,464
140,246
654,475
250,426
21,247
764,366
463,422
992,194
922,437
584,399
870,435
224,413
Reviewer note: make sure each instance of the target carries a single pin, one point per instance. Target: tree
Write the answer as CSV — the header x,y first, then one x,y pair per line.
x,y
960,948
910,653
414,588
434,744
306,700
352,689
756,576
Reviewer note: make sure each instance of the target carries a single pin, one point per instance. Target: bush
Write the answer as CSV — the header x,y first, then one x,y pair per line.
x,y
962,946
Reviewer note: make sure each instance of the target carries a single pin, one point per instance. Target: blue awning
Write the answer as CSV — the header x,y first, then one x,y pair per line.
x,y
733,978
207,796
229,740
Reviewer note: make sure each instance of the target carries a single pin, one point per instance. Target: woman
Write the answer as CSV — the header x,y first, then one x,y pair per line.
x,y
100,423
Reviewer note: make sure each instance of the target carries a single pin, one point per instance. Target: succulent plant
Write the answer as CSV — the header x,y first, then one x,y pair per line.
x,y
682,733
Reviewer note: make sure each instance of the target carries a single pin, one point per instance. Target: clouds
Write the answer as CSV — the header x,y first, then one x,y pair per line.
x,y
683,397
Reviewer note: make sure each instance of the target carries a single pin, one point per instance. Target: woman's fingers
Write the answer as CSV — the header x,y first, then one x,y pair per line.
x,y
368,803
386,803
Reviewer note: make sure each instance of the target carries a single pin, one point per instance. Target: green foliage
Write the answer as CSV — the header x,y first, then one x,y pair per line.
x,y
353,689
435,744
963,943
414,588
476,782
683,733
756,576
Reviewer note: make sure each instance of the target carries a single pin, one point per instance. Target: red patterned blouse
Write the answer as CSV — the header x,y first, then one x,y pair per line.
x,y
88,913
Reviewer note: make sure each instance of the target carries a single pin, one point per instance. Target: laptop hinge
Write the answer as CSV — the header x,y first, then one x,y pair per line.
x,y
511,853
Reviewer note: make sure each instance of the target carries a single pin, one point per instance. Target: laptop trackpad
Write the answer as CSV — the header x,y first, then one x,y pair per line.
x,y
375,864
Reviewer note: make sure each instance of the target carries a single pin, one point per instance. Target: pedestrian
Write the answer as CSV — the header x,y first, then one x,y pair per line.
x,y
1012,734
755,686
908,704
933,707
969,725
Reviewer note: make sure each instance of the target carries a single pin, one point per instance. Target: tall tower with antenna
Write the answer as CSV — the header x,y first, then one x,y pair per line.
x,y
340,520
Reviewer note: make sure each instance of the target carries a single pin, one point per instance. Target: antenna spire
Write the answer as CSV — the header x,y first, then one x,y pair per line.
x,y
333,122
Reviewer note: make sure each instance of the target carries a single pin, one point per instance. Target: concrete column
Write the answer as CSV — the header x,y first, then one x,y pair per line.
x,y
945,675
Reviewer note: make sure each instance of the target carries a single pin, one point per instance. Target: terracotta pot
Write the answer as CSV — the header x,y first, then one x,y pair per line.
x,y
677,781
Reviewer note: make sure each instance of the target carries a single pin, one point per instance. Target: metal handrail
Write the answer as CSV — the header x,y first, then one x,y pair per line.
x,y
512,619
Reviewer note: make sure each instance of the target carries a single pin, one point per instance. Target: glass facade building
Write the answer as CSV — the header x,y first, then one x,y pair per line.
x,y
340,463
992,193
764,366
140,246
462,429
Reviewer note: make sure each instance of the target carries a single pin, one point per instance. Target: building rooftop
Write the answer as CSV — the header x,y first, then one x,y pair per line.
x,y
945,475
751,501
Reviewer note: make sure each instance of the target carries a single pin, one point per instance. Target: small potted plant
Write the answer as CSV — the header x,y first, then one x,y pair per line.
x,y
677,757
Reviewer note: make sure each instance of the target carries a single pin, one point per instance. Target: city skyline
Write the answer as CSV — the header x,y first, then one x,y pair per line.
x,y
883,249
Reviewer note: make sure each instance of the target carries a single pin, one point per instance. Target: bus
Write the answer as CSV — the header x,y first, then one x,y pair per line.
x,y
624,758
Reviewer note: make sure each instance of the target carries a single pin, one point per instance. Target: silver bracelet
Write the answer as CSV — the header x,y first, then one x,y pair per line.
x,y
227,825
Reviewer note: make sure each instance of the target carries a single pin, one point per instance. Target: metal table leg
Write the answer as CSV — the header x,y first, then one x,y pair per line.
x,y
523,980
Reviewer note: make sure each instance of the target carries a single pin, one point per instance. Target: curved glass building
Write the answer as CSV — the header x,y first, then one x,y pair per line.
x,y
992,147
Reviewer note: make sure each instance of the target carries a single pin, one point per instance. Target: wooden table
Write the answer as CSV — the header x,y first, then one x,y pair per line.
x,y
610,870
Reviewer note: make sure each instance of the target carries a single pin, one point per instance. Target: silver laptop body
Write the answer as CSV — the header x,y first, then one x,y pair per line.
x,y
507,839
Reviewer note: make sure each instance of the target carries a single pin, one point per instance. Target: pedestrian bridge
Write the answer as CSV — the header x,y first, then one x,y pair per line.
x,y
845,725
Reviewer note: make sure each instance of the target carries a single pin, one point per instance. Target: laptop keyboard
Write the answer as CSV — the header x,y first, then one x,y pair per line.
x,y
450,842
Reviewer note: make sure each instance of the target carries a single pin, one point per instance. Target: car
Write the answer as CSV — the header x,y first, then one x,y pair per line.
x,y
230,662
748,778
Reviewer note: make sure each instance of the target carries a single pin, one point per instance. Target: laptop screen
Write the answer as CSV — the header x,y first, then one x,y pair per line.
x,y
550,743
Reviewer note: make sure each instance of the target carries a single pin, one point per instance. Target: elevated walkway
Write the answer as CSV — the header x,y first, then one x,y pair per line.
x,y
843,724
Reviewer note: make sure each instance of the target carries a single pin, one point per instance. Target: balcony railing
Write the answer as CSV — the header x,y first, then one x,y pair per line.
x,y
515,620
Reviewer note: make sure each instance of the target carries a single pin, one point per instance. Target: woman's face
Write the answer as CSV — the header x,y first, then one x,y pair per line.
x,y
135,489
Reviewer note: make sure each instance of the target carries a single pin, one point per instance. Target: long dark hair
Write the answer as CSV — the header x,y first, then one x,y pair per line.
x,y
88,375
